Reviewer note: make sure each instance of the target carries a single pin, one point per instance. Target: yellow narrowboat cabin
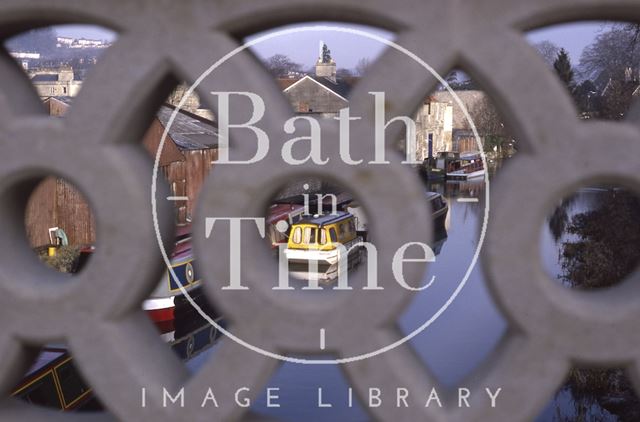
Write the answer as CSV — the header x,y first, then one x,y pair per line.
x,y
316,240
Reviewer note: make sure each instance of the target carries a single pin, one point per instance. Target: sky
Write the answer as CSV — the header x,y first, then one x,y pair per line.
x,y
572,37
347,49
85,31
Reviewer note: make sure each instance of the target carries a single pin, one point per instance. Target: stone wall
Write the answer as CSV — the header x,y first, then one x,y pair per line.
x,y
309,96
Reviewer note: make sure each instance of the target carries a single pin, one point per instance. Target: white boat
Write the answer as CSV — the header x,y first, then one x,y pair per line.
x,y
312,250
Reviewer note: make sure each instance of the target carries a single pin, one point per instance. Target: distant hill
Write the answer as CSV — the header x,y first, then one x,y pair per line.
x,y
41,41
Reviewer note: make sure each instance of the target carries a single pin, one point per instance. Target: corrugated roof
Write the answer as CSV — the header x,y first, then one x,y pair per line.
x,y
188,131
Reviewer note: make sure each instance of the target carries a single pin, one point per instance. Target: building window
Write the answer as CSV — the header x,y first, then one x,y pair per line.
x,y
303,107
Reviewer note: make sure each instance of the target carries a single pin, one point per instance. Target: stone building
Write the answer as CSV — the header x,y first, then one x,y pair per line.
x,y
318,95
323,94
56,82
434,128
326,66
192,104
463,139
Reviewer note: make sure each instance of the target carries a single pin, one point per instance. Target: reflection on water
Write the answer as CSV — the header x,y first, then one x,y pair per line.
x,y
298,394
452,347
596,232
468,331
591,243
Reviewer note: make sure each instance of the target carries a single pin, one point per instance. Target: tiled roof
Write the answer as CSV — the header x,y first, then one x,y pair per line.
x,y
341,87
45,78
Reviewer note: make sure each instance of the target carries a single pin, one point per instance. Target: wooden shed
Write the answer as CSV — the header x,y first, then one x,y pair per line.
x,y
185,161
187,156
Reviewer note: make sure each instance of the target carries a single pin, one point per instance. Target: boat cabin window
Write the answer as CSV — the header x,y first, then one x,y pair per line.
x,y
309,235
323,236
71,384
333,235
42,392
297,235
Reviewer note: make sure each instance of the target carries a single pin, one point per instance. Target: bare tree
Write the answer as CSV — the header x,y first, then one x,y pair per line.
x,y
616,100
280,66
490,125
362,66
344,73
548,50
612,53
486,118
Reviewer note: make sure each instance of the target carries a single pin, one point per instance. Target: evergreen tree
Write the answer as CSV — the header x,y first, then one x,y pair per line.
x,y
563,68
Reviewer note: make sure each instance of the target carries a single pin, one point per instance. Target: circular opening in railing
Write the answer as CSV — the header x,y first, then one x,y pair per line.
x,y
590,239
401,208
317,229
60,225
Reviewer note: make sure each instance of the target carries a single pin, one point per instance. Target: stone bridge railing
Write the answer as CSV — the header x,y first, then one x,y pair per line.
x,y
97,148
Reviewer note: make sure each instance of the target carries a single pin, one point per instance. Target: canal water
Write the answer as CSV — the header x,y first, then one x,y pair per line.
x,y
454,345
461,339
616,400
451,347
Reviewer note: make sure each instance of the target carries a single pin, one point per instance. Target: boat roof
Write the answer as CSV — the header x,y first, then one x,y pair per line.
x,y
470,155
278,212
183,230
449,154
46,356
327,218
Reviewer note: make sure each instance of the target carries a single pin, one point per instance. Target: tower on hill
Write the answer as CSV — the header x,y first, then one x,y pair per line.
x,y
325,66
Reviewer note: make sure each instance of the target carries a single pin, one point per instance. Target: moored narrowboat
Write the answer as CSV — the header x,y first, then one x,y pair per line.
x,y
439,210
54,381
313,248
470,166
161,304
